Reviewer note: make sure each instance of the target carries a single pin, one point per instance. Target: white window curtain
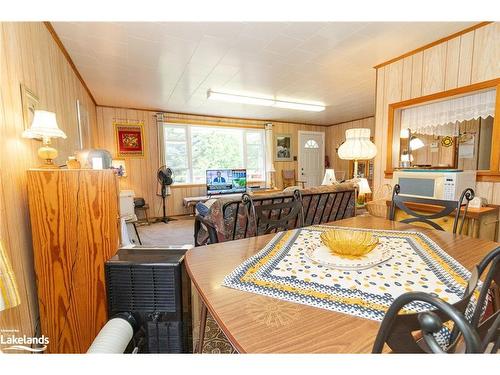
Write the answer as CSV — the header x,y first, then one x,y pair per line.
x,y
269,153
442,118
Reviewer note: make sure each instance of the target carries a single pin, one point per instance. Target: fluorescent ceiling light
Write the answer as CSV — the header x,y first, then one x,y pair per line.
x,y
235,98
239,98
299,106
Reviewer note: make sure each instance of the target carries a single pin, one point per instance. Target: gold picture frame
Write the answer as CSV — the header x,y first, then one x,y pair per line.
x,y
129,139
29,103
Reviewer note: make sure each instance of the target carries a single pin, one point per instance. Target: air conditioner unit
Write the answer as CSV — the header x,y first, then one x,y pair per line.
x,y
152,285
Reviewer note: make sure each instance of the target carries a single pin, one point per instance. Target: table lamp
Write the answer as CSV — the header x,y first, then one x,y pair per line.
x,y
329,178
272,172
9,295
363,189
357,146
406,159
44,126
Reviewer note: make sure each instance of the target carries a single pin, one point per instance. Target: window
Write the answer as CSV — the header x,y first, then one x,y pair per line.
x,y
190,150
311,143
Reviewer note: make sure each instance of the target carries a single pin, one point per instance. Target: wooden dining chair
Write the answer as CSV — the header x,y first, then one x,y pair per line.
x,y
265,218
447,208
288,177
397,330
479,336
488,328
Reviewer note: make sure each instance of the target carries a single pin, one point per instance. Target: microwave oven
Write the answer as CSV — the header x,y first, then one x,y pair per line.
x,y
445,184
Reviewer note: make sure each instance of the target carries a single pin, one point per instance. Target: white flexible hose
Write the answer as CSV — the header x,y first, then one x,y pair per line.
x,y
113,337
124,233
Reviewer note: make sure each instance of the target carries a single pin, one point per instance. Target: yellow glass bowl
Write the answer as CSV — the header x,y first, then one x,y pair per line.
x,y
348,243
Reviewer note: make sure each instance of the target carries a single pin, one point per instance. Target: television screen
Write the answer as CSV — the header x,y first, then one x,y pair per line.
x,y
226,181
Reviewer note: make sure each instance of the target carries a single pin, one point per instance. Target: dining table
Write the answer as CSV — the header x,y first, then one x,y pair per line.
x,y
255,323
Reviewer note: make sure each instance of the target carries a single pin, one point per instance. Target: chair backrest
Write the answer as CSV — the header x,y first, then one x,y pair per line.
x,y
227,219
448,207
396,330
288,176
319,207
489,328
479,336
274,217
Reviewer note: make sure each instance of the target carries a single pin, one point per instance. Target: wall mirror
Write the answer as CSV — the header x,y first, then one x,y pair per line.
x,y
453,129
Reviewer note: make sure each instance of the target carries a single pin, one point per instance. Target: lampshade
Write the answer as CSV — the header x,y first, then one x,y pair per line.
x,y
272,169
416,143
329,178
406,157
44,125
404,133
357,145
363,187
9,295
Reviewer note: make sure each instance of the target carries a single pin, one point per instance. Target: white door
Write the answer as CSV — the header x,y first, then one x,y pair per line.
x,y
311,157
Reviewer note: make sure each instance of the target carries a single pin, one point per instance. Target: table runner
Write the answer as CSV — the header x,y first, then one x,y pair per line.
x,y
282,270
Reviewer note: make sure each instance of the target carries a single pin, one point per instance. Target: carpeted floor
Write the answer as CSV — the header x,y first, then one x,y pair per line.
x,y
181,232
175,232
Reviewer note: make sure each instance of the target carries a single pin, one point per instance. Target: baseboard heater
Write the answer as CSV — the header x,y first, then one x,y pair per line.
x,y
149,289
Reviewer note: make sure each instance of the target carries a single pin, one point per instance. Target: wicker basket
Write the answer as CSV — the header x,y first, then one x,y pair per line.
x,y
378,207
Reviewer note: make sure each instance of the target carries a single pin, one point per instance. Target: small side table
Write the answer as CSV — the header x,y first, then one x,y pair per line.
x,y
190,202
301,182
361,210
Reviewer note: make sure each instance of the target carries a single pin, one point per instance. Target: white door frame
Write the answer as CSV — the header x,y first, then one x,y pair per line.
x,y
301,132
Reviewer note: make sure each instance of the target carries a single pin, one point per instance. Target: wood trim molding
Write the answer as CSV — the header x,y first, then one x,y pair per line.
x,y
52,32
493,174
495,136
357,119
482,176
210,123
263,121
439,41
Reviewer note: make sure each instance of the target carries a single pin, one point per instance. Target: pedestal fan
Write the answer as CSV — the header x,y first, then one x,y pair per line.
x,y
164,176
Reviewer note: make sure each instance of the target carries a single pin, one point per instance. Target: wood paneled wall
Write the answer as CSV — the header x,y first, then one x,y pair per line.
x,y
30,56
335,135
461,61
142,172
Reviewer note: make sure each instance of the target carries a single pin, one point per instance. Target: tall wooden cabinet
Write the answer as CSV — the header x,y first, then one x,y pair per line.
x,y
74,220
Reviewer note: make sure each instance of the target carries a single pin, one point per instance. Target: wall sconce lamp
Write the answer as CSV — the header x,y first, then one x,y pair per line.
x,y
415,143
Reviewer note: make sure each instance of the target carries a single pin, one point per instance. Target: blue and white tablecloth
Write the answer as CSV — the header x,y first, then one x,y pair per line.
x,y
282,270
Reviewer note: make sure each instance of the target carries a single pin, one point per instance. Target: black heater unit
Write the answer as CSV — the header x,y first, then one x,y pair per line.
x,y
152,285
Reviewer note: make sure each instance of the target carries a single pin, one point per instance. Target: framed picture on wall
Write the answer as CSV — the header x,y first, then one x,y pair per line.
x,y
82,121
129,139
283,147
29,102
